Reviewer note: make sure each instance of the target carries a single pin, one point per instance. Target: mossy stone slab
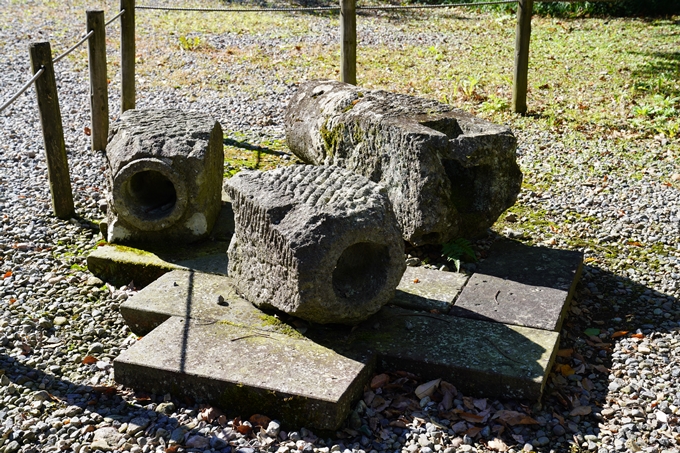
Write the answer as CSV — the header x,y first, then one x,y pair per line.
x,y
481,358
121,264
521,285
246,371
189,294
428,289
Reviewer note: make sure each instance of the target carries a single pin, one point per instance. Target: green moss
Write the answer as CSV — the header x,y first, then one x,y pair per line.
x,y
331,137
125,249
280,326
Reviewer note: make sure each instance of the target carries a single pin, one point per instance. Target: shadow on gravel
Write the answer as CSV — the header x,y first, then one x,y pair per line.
x,y
607,309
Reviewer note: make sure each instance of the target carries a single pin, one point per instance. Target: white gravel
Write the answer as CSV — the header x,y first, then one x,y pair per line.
x,y
615,391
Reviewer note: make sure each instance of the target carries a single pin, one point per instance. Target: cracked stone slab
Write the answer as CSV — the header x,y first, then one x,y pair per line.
x,y
521,285
428,289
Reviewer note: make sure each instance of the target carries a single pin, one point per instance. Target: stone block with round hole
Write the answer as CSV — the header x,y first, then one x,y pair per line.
x,y
317,242
165,176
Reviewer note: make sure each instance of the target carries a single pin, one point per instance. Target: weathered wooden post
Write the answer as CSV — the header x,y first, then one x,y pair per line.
x,y
53,131
127,55
99,94
522,39
348,38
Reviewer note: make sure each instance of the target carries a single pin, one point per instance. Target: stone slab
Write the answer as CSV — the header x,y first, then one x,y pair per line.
x,y
120,264
189,294
246,370
224,353
521,285
480,358
428,289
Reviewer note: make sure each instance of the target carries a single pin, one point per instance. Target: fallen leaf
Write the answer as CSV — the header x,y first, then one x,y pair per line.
x,y
447,401
416,281
513,418
565,352
587,384
105,389
565,370
427,388
210,414
448,387
87,131
592,332
472,418
601,368
244,429
379,381
89,360
259,420
620,333
7,275
497,445
472,432
638,335
172,449
580,410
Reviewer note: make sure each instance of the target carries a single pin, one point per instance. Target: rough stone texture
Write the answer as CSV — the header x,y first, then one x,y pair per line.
x,y
317,242
165,176
429,289
522,285
447,172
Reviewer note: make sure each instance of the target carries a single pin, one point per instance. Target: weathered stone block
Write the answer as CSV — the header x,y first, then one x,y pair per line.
x,y
165,177
447,173
320,243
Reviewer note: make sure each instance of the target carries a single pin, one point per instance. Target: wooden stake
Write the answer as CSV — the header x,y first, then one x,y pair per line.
x,y
348,41
99,93
53,131
522,40
127,54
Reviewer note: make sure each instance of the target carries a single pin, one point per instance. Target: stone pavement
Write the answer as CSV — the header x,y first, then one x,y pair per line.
x,y
495,334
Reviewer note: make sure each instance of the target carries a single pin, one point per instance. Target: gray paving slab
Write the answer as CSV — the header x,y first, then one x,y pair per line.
x,y
246,371
521,285
428,289
479,357
197,347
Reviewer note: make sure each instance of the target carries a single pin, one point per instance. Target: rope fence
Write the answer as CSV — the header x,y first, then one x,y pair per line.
x,y
317,8
42,65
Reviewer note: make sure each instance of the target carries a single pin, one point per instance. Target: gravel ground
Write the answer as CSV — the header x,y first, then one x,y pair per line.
x,y
615,387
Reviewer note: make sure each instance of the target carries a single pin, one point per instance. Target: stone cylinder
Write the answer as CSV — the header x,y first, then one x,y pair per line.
x,y
317,242
165,176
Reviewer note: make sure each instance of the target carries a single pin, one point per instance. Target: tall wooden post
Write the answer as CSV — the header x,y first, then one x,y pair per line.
x,y
348,41
53,131
522,40
127,54
99,93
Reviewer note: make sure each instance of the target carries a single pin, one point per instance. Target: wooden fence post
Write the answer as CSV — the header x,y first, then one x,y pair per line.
x,y
348,41
53,132
127,55
522,39
99,93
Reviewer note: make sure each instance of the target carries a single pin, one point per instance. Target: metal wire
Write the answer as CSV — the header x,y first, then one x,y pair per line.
x,y
122,11
23,89
234,10
451,5
75,46
319,8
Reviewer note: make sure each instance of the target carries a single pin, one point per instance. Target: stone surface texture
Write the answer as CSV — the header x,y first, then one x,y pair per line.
x,y
447,173
318,242
522,285
165,176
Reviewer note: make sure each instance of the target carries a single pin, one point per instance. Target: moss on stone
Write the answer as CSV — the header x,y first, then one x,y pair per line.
x,y
280,326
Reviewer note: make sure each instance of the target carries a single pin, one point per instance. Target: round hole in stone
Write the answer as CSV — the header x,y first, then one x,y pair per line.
x,y
150,195
361,271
